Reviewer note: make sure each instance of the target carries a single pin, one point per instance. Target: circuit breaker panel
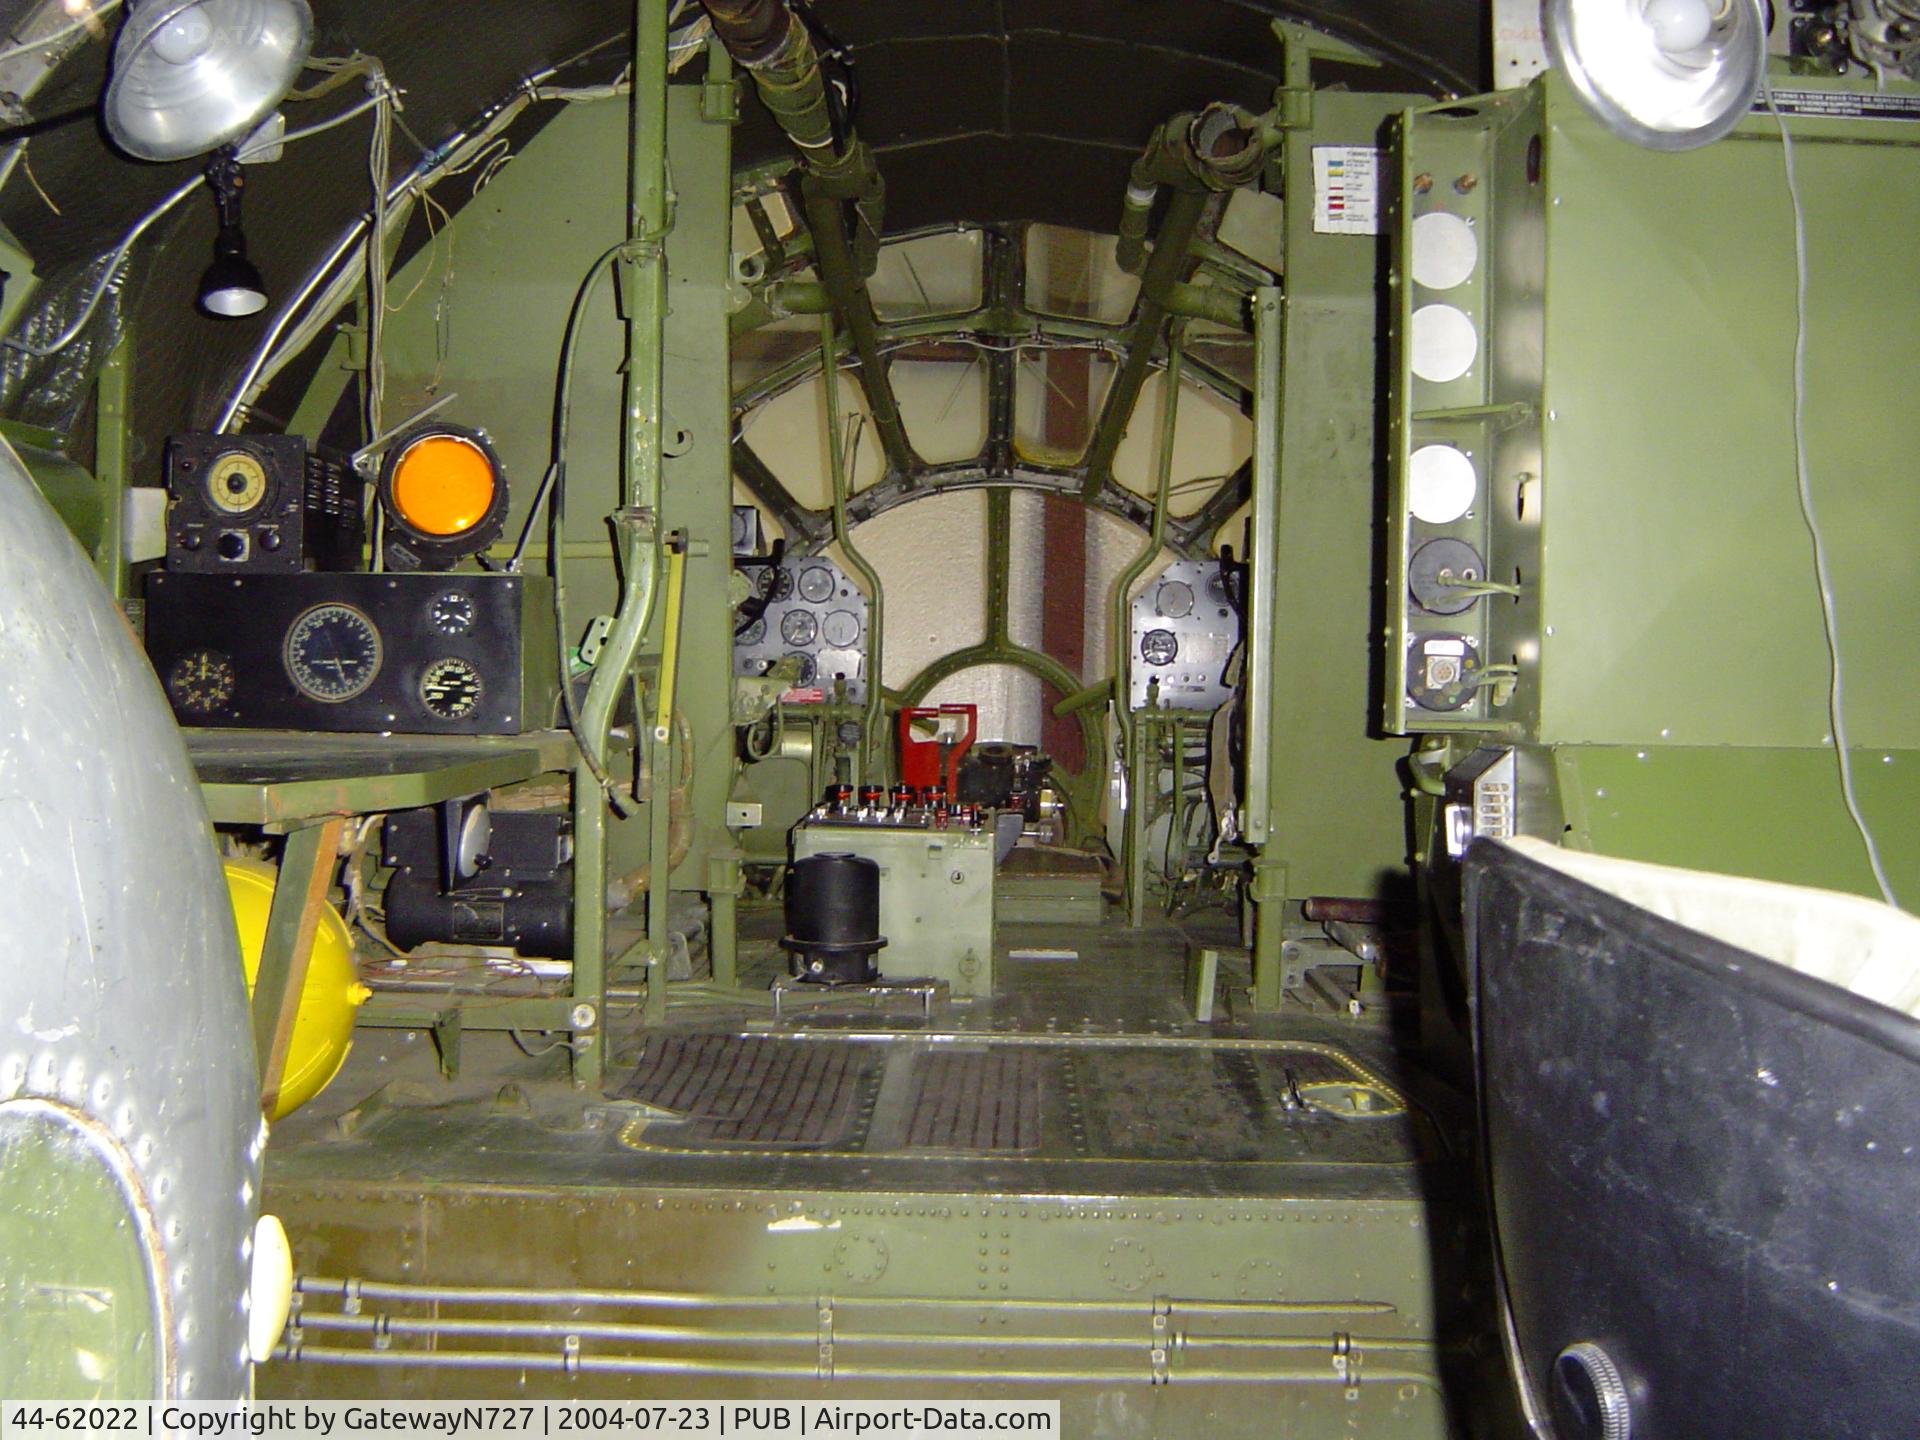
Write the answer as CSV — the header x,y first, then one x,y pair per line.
x,y
1466,417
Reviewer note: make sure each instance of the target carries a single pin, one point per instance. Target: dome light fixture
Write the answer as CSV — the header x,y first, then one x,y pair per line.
x,y
444,496
1665,74
231,287
192,75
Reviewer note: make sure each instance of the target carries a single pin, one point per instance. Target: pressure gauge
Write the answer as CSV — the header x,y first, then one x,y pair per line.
x,y
332,653
201,682
798,627
451,688
452,613
816,584
1159,647
840,629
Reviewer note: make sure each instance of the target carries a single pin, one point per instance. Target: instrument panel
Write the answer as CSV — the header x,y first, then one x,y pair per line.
x,y
808,609
418,653
1186,626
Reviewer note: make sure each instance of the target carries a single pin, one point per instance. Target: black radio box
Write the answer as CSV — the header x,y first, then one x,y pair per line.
x,y
253,504
418,654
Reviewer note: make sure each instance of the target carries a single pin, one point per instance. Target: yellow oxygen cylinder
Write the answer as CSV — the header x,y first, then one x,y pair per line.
x,y
323,1029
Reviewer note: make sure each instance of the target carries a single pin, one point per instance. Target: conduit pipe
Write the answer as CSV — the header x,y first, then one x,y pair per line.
x,y
773,44
1197,156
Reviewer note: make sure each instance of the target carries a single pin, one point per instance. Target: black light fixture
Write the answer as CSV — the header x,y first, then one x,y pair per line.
x,y
231,287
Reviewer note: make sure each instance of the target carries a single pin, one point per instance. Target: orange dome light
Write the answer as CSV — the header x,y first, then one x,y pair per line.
x,y
444,495
443,485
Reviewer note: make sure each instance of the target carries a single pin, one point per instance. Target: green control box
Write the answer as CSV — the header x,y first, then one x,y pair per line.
x,y
936,897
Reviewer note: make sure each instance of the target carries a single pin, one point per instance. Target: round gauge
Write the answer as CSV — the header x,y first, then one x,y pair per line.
x,y
332,653
201,682
452,613
236,482
1174,600
775,584
753,634
807,668
451,688
798,627
1159,647
841,628
816,583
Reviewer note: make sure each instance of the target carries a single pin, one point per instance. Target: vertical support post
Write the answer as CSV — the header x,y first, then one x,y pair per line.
x,y
662,758
1268,322
724,884
589,927
113,464
306,870
1142,738
999,566
1268,890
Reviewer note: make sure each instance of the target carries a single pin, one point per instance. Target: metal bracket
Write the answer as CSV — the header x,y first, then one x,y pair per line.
x,y
1346,1362
1161,1341
446,1040
824,1365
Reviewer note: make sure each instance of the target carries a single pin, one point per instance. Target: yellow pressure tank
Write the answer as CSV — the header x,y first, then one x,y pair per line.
x,y
323,1030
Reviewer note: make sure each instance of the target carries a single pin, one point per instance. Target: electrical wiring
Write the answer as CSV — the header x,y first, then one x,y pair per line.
x,y
110,273
554,487
108,278
1829,619
85,22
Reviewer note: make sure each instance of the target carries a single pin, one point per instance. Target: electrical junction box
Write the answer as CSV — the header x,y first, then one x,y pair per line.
x,y
936,897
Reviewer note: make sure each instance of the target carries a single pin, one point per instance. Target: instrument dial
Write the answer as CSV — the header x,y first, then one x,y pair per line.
x,y
451,688
236,482
753,634
332,653
816,584
452,613
1159,647
201,682
798,627
841,628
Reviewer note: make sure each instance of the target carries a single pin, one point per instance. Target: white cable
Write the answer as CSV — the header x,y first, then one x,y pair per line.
x,y
54,37
107,275
1836,708
141,226
378,97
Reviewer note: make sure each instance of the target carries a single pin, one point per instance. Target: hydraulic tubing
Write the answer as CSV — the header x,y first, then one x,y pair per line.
x,y
774,46
843,536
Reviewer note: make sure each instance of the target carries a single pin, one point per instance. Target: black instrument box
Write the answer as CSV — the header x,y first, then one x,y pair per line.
x,y
254,504
415,654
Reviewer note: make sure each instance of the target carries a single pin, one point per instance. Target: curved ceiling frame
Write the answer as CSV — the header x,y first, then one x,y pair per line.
x,y
1002,327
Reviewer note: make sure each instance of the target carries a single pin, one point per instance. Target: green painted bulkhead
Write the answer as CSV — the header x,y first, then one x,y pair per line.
x,y
1197,1162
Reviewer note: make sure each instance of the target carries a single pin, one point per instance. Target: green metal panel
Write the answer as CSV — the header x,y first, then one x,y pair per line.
x,y
1638,307
1629,415
1334,795
1771,814
1148,1317
1680,601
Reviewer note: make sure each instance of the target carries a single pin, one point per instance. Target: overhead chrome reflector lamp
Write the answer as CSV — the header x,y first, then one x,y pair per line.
x,y
192,75
1666,74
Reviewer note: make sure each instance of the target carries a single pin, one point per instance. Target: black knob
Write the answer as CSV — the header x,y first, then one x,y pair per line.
x,y
232,545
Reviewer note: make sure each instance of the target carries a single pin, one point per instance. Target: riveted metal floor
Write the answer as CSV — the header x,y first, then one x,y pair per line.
x,y
1257,1226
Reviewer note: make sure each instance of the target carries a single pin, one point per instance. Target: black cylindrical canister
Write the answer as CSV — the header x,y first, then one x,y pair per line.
x,y
833,918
